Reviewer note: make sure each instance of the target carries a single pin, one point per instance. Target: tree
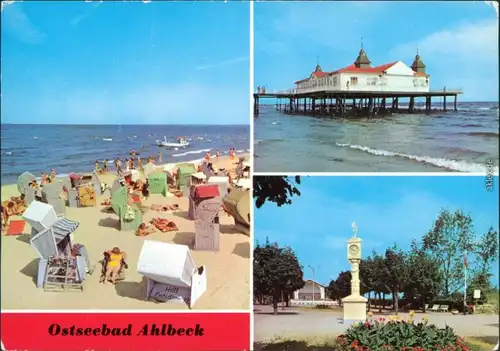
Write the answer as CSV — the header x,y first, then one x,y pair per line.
x,y
343,284
486,251
380,278
424,276
276,271
451,237
277,189
332,291
397,272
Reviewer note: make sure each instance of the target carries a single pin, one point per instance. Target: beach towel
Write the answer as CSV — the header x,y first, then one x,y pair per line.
x,y
16,227
164,225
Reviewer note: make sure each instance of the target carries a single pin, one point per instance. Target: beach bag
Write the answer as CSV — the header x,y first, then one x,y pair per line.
x,y
129,214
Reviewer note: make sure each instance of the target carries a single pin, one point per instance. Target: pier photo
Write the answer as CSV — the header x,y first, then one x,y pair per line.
x,y
383,94
125,156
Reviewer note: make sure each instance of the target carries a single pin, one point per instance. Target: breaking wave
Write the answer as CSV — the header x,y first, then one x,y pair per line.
x,y
455,165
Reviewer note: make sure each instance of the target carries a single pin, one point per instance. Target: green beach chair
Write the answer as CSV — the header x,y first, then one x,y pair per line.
x,y
158,183
127,224
184,173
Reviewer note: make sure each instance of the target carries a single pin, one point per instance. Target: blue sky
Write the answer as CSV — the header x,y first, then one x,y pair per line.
x,y
387,210
458,40
125,62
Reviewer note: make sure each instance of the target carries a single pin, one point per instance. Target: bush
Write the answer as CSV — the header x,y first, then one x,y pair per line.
x,y
399,335
324,305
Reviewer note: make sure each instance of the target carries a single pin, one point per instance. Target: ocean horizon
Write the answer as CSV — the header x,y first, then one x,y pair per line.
x,y
75,147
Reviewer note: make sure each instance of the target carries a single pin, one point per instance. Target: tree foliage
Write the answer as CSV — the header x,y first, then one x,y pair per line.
x,y
277,189
277,271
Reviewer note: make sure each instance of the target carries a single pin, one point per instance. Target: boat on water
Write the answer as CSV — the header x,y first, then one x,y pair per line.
x,y
181,142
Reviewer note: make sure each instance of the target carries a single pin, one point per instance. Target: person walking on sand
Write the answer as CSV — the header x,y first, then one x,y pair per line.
x,y
105,166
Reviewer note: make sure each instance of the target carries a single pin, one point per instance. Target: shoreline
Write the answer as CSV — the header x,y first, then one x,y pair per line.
x,y
6,188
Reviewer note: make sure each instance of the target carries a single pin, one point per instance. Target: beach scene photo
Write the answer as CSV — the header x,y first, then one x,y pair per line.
x,y
376,263
125,155
380,90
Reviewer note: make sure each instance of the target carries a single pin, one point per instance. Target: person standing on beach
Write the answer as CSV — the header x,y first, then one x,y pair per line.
x,y
139,163
208,157
127,164
217,154
44,177
118,164
159,157
131,163
105,165
52,174
97,167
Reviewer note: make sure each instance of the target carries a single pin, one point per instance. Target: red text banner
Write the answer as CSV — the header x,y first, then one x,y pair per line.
x,y
125,331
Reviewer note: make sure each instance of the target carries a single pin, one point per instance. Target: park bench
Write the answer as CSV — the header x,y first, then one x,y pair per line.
x,y
443,308
434,308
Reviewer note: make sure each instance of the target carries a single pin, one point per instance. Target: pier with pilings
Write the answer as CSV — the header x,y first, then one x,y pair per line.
x,y
358,103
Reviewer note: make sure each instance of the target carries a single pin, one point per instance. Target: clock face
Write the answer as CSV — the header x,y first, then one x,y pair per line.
x,y
354,249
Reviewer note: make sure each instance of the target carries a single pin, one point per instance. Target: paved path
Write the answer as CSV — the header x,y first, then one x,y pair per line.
x,y
294,322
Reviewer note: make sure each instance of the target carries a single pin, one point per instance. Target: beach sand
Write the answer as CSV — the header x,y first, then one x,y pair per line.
x,y
228,270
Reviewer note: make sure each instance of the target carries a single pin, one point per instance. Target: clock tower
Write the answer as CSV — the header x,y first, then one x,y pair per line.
x,y
354,304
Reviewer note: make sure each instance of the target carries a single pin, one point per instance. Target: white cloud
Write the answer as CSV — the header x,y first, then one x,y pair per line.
x,y
465,56
92,7
221,64
16,22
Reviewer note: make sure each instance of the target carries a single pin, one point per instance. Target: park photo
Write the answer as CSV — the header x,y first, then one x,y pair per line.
x,y
377,88
125,156
376,263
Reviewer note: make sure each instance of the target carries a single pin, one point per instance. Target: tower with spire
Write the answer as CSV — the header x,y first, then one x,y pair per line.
x,y
418,65
318,67
362,61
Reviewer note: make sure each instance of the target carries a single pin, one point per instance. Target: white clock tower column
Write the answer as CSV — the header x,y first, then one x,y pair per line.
x,y
354,304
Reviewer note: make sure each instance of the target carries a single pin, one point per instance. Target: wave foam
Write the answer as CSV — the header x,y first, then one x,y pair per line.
x,y
461,166
191,152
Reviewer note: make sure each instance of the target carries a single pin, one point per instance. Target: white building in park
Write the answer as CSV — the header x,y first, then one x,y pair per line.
x,y
361,76
311,291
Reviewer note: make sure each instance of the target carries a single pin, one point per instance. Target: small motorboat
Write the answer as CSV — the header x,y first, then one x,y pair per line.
x,y
181,142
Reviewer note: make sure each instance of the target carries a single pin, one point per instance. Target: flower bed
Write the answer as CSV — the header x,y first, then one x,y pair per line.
x,y
396,334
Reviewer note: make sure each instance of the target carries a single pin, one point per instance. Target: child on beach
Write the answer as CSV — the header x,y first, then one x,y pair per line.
x,y
231,154
105,165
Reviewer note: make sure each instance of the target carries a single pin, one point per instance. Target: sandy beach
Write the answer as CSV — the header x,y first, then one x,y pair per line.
x,y
227,270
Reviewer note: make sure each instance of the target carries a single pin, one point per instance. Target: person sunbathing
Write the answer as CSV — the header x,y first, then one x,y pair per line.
x,y
164,224
145,229
165,208
9,208
114,264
